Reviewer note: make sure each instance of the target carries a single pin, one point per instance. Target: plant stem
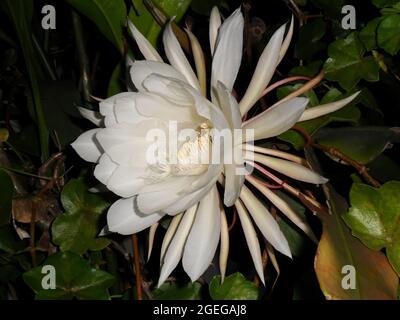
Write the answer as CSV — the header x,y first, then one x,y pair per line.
x,y
136,259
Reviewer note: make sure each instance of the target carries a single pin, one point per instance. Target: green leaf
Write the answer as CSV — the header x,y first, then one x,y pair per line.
x,y
76,230
309,44
384,3
331,8
362,144
75,278
384,169
347,114
374,218
374,277
115,85
6,195
235,287
347,64
173,291
282,92
368,34
145,22
20,13
309,70
389,35
108,15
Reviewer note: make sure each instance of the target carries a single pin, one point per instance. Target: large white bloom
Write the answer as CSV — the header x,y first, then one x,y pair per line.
x,y
187,190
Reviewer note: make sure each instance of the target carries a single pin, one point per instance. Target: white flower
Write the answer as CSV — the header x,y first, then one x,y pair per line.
x,y
187,190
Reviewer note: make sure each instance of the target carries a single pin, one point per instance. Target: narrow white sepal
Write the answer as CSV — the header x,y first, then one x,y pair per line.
x,y
286,42
251,239
324,109
224,246
144,45
215,23
291,169
199,61
177,57
284,207
173,225
175,248
152,233
93,116
265,222
264,71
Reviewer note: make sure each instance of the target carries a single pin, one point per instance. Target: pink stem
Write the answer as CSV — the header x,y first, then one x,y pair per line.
x,y
282,82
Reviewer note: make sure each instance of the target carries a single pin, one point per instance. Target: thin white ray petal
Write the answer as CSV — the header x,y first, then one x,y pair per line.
x,y
286,42
144,45
177,57
251,239
124,219
173,225
265,222
324,109
291,169
215,23
284,207
199,61
175,248
224,246
228,52
277,119
203,238
275,153
264,71
87,146
92,116
152,234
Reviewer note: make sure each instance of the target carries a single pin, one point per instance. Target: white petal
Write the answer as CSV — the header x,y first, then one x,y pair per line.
x,y
159,200
291,169
125,110
324,109
264,71
229,106
203,239
140,70
106,107
228,51
173,225
215,23
277,119
127,181
104,169
144,45
152,234
286,42
123,218
284,207
177,58
92,116
198,56
265,222
175,248
251,239
233,184
87,146
224,247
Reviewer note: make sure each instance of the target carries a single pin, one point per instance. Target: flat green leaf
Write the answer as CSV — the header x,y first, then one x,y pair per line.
x,y
173,291
384,3
235,287
374,218
6,195
347,63
368,34
108,15
76,230
309,43
374,277
348,114
145,22
384,169
75,278
309,70
362,144
388,34
115,85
